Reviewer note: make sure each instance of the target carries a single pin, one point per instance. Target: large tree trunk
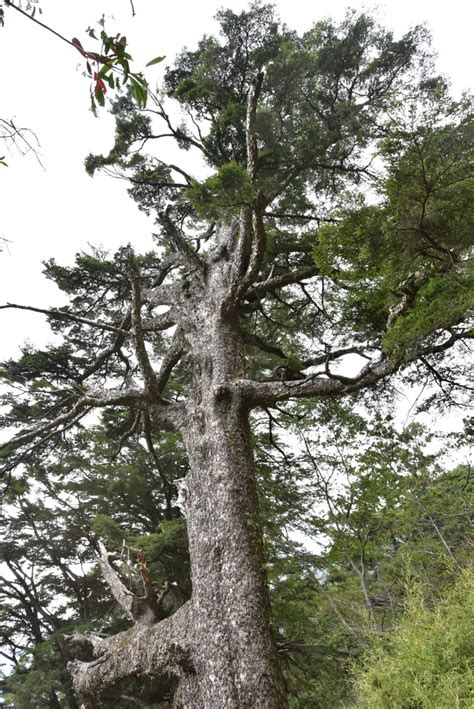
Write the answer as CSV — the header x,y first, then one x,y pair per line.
x,y
234,653
225,655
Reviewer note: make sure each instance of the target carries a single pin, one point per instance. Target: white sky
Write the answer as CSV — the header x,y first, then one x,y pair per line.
x,y
59,210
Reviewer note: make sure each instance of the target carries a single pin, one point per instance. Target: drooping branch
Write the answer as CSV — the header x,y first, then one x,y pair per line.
x,y
128,433
167,413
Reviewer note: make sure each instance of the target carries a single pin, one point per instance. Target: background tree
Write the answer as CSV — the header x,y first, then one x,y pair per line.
x,y
263,305
54,515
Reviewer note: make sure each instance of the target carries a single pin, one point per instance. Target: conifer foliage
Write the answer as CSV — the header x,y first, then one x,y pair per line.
x,y
325,252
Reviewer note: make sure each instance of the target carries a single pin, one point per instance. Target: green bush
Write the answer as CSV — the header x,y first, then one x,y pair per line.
x,y
427,662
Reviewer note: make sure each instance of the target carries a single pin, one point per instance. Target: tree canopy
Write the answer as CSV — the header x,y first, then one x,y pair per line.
x,y
322,247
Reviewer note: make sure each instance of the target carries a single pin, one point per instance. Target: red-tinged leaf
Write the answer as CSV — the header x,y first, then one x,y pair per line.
x,y
78,46
89,69
100,87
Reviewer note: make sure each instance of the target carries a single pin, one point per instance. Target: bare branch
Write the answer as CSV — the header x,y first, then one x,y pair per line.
x,y
60,315
122,595
178,134
146,369
332,355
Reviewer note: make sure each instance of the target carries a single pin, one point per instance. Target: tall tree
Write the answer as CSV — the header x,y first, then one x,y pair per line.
x,y
267,276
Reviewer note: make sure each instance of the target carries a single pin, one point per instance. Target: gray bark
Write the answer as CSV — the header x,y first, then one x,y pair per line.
x,y
218,648
230,606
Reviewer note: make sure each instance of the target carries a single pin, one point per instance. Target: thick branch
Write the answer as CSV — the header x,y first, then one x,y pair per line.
x,y
268,393
160,322
280,281
259,244
247,226
170,360
179,243
145,650
146,369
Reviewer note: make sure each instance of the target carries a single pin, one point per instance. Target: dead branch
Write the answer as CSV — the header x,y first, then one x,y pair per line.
x,y
144,363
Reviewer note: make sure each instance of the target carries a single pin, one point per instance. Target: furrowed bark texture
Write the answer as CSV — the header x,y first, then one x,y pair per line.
x,y
235,656
219,647
145,650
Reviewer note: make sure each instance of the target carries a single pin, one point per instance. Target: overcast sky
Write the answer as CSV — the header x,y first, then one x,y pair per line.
x,y
59,210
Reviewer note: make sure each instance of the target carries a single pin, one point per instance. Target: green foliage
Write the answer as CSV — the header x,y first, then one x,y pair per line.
x,y
394,274
111,67
223,194
428,659
377,507
404,264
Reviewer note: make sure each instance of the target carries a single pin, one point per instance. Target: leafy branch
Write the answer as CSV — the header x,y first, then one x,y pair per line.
x,y
110,67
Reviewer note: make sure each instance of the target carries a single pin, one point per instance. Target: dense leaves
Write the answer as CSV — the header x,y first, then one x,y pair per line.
x,y
427,660
335,195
